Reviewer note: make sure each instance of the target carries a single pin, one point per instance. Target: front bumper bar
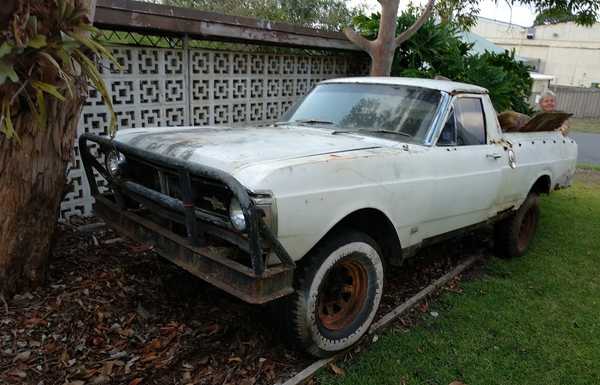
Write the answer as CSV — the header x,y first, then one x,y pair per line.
x,y
255,284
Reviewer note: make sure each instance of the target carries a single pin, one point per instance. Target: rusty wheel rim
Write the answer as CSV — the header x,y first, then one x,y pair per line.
x,y
527,229
343,295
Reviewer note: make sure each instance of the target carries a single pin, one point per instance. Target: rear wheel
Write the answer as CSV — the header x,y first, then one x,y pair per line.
x,y
337,294
513,235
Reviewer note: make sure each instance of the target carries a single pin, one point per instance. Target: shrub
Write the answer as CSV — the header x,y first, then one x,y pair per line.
x,y
436,49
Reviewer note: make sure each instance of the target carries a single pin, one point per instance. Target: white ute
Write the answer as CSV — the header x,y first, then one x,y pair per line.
x,y
357,175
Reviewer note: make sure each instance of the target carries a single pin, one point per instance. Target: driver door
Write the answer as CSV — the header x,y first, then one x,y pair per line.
x,y
468,168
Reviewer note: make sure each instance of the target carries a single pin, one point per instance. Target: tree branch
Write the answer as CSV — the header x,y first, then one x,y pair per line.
x,y
415,27
358,39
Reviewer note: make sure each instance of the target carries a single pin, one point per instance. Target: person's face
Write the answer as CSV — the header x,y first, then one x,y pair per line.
x,y
548,104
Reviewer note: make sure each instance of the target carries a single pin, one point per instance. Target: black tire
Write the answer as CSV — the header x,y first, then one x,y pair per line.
x,y
338,289
513,235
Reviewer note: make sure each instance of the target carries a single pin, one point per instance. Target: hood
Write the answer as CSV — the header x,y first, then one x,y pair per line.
x,y
231,149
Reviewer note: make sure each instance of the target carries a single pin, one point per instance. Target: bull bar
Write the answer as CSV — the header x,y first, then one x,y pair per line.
x,y
254,284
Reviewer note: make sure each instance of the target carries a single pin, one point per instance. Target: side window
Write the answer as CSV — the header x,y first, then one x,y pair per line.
x,y
448,135
470,122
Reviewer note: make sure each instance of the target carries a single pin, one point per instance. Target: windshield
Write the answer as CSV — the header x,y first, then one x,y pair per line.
x,y
400,112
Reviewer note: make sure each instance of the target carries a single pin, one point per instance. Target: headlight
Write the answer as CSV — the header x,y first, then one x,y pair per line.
x,y
264,202
114,162
236,215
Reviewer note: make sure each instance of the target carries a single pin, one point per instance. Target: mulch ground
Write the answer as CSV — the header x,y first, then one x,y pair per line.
x,y
113,312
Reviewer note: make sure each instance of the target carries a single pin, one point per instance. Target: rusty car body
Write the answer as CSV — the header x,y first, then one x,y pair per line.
x,y
242,207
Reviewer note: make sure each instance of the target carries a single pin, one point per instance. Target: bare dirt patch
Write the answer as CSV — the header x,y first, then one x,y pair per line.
x,y
588,176
115,313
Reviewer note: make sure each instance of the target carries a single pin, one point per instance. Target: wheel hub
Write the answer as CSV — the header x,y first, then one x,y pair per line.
x,y
343,294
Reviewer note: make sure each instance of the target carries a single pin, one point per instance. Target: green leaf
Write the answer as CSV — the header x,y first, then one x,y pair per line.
x,y
6,125
89,67
67,79
62,9
88,42
69,44
89,28
52,61
38,41
7,71
97,48
48,88
65,56
5,49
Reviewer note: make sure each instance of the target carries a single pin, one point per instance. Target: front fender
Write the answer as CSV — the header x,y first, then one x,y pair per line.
x,y
303,222
314,194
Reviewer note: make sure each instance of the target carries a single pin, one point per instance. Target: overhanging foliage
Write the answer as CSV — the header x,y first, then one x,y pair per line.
x,y
436,49
45,52
330,15
582,12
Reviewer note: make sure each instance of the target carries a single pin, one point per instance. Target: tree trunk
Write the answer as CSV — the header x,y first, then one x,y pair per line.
x,y
385,44
32,180
32,176
382,59
381,50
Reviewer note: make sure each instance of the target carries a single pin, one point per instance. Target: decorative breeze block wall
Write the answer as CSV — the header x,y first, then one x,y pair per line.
x,y
182,87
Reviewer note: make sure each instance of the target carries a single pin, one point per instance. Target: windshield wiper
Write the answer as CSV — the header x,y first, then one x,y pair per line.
x,y
304,121
372,131
390,132
312,121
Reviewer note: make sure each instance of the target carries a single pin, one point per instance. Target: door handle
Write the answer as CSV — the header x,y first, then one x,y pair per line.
x,y
494,156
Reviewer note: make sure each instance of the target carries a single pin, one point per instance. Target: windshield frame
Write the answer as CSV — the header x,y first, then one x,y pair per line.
x,y
427,140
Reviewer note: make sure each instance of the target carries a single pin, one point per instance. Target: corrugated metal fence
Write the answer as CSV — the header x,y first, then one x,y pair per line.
x,y
582,102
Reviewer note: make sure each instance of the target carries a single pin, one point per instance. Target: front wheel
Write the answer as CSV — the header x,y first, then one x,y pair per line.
x,y
514,234
337,294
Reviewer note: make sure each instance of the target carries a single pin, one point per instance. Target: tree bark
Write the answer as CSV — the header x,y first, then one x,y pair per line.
x,y
385,44
6,11
32,180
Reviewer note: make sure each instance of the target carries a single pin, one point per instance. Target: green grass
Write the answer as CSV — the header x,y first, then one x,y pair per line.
x,y
532,320
585,125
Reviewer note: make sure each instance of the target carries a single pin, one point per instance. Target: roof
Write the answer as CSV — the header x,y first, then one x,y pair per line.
x,y
442,85
163,20
481,44
539,76
502,22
